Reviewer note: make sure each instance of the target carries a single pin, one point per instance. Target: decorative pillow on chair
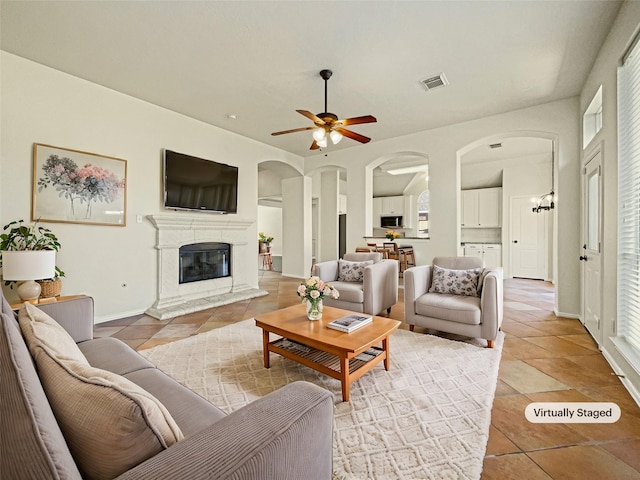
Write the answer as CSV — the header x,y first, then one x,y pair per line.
x,y
352,271
455,282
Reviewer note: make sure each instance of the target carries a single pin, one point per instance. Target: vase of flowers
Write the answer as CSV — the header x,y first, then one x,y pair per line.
x,y
312,291
264,243
391,235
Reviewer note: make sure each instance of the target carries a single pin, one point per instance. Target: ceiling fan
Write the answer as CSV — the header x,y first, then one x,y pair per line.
x,y
326,125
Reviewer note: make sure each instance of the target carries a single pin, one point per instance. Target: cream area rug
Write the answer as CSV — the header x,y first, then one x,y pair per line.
x,y
426,418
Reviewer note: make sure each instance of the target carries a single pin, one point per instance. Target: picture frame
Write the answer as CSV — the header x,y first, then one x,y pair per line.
x,y
72,186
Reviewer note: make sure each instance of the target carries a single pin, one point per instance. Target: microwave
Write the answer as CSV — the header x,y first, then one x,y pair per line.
x,y
391,221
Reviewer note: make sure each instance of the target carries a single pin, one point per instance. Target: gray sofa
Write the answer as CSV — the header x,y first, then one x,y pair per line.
x,y
286,434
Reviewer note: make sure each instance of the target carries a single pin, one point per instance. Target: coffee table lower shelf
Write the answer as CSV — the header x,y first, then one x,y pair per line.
x,y
328,363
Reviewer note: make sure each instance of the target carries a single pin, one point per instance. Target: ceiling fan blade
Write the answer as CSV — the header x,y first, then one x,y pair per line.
x,y
293,131
311,116
353,135
357,120
314,146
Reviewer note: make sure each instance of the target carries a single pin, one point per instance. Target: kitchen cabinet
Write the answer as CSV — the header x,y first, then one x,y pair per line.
x,y
481,208
409,215
490,253
392,205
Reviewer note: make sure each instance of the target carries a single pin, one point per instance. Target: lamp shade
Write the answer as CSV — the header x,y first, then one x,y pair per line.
x,y
28,265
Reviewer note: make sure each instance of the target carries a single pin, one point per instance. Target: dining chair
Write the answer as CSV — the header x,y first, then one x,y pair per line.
x,y
396,253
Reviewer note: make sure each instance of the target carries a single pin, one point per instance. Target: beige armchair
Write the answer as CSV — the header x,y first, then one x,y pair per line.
x,y
471,316
377,291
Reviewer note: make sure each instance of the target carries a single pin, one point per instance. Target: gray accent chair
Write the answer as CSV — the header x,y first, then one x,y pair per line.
x,y
286,434
377,292
476,317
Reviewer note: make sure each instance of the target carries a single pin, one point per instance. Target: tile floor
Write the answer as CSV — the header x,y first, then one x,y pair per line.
x,y
545,359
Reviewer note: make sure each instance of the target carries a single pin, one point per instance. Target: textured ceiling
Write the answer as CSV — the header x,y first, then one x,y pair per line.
x,y
260,60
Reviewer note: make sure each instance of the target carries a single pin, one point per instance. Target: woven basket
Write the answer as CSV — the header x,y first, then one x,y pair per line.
x,y
50,288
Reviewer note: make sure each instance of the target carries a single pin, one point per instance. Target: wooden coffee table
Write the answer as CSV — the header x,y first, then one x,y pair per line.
x,y
334,353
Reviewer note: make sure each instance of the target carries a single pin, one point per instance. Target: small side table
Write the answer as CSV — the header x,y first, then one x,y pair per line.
x,y
43,301
267,261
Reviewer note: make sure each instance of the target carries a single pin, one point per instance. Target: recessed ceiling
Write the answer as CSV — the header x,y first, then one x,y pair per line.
x,y
260,59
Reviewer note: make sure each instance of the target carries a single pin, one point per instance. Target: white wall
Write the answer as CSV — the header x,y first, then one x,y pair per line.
x,y
604,73
270,222
556,119
43,105
296,226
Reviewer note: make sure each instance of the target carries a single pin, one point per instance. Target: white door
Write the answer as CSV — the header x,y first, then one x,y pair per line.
x,y
528,239
591,258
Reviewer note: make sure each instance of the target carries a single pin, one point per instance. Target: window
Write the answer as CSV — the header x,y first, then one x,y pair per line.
x,y
592,119
423,214
629,206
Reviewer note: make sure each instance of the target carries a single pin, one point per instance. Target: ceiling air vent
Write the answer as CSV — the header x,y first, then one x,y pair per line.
x,y
435,81
495,145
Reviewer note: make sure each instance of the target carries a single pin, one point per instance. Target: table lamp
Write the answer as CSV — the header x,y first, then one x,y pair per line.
x,y
25,266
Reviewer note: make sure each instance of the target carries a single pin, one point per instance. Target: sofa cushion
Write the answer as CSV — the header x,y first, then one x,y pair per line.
x,y
110,424
455,308
349,292
352,271
191,412
35,445
113,355
38,328
455,282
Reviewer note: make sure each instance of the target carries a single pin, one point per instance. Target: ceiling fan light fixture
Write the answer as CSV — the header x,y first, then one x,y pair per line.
x,y
319,134
335,136
324,123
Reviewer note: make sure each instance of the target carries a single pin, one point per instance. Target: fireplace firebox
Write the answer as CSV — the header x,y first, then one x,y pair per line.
x,y
204,261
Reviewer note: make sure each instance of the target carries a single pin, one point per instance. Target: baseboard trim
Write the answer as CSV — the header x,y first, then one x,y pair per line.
x,y
573,316
117,316
631,388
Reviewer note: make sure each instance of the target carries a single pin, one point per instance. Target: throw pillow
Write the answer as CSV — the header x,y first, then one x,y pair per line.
x,y
39,328
352,271
110,424
455,282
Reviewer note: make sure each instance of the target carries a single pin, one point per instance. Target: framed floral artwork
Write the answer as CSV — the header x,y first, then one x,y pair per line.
x,y
78,187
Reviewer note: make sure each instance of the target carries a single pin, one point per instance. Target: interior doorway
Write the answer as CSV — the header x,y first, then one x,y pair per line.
x,y
528,239
342,235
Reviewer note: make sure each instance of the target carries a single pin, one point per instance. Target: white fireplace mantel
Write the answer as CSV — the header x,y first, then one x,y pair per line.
x,y
176,230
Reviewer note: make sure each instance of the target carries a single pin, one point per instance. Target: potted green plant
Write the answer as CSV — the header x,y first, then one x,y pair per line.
x,y
264,242
18,236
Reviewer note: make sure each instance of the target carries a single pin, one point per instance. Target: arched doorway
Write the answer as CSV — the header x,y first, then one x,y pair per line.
x,y
519,164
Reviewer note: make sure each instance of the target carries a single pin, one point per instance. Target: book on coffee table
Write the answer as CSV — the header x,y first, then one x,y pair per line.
x,y
350,323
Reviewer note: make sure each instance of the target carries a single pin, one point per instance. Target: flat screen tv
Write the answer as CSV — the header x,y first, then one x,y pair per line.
x,y
192,183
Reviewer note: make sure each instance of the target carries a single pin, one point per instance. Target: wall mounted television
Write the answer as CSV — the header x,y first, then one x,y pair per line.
x,y
192,183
